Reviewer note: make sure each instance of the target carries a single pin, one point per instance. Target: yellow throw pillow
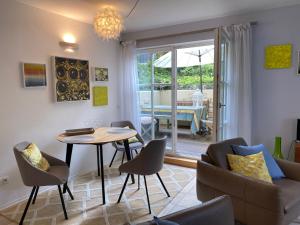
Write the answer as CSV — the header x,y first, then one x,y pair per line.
x,y
250,166
34,156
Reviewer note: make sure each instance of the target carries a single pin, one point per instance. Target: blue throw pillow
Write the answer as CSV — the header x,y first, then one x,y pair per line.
x,y
274,169
163,222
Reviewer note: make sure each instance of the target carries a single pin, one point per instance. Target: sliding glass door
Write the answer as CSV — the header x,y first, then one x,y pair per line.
x,y
176,96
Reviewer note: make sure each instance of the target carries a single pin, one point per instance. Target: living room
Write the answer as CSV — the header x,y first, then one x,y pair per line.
x,y
166,69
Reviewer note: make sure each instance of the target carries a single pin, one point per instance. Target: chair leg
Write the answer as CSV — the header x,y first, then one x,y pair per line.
x,y
27,205
119,199
113,158
69,192
147,195
162,183
35,194
136,152
138,182
62,202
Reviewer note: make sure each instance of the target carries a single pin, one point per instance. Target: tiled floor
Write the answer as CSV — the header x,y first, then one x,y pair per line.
x,y
87,208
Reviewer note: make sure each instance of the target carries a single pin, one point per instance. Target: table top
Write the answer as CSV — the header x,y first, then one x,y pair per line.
x,y
102,135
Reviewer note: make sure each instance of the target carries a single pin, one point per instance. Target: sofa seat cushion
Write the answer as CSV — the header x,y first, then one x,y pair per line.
x,y
218,152
290,193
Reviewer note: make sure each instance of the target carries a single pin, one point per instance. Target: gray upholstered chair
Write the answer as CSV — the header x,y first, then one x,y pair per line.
x,y
57,174
148,162
120,147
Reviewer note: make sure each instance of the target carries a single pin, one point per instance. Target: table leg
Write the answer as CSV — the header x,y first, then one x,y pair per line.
x,y
68,161
128,155
100,149
98,161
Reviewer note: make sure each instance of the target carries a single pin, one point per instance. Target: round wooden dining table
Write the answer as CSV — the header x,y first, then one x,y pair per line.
x,y
101,136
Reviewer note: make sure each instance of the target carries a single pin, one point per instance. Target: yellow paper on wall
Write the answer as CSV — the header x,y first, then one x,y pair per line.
x,y
278,56
100,95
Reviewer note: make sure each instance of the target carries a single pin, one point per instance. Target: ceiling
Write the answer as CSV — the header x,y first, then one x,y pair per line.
x,y
156,13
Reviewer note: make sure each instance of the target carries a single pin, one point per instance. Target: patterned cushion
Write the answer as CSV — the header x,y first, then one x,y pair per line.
x,y
274,169
250,165
34,156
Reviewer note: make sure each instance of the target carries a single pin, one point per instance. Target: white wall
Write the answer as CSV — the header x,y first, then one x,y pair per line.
x,y
276,93
32,35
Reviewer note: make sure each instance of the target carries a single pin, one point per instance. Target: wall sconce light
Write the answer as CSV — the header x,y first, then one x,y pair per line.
x,y
69,43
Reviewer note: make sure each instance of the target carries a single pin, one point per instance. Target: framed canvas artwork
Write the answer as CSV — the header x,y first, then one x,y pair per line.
x,y
100,95
101,74
72,81
278,56
34,75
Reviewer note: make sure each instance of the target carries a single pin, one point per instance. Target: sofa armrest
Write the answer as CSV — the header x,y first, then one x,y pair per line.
x,y
290,169
204,213
264,194
251,190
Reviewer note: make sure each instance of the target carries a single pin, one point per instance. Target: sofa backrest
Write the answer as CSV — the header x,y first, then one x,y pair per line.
x,y
217,211
218,152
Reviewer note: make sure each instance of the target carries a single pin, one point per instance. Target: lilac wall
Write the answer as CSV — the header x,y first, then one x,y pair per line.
x,y
276,93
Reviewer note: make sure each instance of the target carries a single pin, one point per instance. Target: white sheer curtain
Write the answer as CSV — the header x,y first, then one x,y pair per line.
x,y
129,85
239,96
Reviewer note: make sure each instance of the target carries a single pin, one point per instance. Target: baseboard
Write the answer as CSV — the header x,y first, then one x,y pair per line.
x,y
181,161
21,199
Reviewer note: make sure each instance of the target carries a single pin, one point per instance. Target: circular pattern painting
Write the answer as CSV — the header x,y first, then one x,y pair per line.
x,y
72,83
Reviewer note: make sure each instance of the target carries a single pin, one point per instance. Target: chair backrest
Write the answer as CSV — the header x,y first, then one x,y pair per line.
x,y
126,123
25,167
218,152
151,158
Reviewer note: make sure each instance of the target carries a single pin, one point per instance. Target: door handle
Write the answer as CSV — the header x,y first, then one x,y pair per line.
x,y
221,105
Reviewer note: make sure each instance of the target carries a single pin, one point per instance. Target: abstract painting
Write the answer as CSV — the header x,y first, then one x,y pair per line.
x,y
34,75
71,79
100,96
101,74
278,56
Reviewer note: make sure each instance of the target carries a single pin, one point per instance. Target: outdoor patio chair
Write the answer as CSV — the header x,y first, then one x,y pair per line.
x,y
146,122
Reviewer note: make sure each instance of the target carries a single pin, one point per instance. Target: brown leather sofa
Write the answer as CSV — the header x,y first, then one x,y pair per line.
x,y
255,202
215,212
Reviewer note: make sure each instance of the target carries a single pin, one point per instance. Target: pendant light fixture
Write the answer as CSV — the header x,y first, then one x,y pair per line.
x,y
108,22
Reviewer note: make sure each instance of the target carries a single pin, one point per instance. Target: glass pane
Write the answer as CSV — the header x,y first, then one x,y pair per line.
x,y
223,87
162,98
144,63
155,87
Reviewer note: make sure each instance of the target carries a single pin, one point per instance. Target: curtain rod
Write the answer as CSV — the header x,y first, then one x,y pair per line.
x,y
252,23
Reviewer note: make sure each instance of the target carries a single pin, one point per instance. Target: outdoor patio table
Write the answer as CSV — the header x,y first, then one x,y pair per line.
x,y
183,113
